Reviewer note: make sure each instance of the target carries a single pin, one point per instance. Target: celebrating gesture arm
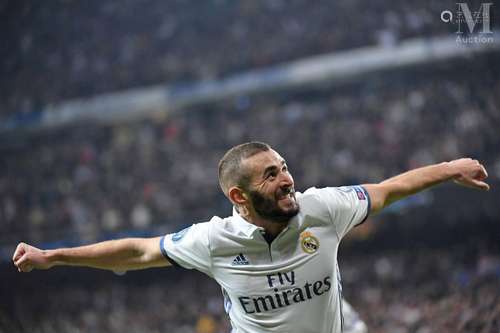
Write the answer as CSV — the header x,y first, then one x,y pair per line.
x,y
116,255
464,171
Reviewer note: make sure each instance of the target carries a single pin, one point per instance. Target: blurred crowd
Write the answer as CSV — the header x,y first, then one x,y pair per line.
x,y
88,180
65,49
399,292
452,290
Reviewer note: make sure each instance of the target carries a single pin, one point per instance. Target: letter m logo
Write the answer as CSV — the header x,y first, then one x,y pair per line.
x,y
464,14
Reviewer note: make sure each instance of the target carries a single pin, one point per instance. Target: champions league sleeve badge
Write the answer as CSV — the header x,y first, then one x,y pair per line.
x,y
308,242
360,193
179,235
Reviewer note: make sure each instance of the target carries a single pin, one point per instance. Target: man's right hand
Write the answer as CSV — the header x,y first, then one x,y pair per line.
x,y
27,257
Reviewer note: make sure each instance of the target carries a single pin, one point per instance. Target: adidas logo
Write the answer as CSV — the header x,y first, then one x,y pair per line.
x,y
240,260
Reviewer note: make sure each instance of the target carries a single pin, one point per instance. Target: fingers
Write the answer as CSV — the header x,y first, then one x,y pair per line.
x,y
481,185
23,264
22,259
25,268
481,175
18,253
483,172
472,183
471,173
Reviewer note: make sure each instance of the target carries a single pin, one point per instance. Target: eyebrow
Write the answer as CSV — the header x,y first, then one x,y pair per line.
x,y
272,168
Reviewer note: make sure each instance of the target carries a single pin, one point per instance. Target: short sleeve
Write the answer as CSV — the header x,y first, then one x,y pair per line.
x,y
189,248
348,206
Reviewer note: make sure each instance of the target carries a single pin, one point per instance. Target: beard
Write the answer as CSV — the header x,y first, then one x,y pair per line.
x,y
269,209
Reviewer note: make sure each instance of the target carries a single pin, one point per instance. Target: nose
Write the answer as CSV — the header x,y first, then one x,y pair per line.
x,y
286,180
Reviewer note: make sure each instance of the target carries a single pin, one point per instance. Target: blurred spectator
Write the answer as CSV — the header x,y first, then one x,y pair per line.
x,y
206,324
87,182
422,296
164,173
107,47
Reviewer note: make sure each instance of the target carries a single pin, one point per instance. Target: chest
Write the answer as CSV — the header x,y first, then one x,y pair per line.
x,y
297,259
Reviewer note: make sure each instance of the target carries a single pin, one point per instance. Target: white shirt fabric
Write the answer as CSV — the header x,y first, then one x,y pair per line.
x,y
291,285
352,321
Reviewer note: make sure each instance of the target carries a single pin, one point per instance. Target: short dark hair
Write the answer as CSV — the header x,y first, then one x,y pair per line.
x,y
230,171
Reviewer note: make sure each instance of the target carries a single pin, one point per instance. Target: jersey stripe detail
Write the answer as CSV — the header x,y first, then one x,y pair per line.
x,y
369,205
339,288
165,253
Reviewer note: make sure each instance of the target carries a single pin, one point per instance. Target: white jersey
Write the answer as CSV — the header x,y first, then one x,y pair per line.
x,y
352,322
290,285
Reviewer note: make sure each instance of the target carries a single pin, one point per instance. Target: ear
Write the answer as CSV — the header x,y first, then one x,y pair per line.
x,y
237,196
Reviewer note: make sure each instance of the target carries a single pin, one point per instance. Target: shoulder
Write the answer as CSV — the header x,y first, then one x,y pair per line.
x,y
230,234
325,202
228,227
313,206
320,198
311,199
335,195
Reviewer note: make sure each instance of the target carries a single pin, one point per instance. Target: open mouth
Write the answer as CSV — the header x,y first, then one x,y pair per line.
x,y
287,194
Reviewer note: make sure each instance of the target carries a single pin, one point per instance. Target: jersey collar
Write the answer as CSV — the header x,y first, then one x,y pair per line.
x,y
249,229
244,226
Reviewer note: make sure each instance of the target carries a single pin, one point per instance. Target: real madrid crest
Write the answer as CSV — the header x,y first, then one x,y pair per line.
x,y
309,243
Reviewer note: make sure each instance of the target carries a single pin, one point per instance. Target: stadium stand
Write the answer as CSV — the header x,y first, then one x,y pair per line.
x,y
428,265
396,291
110,48
86,180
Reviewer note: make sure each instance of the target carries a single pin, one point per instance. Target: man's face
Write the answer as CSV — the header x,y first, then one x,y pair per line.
x,y
271,188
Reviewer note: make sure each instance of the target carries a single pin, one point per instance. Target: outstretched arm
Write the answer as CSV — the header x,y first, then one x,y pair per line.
x,y
116,255
464,171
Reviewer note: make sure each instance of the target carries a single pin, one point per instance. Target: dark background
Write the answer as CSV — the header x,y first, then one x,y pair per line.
x,y
427,264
